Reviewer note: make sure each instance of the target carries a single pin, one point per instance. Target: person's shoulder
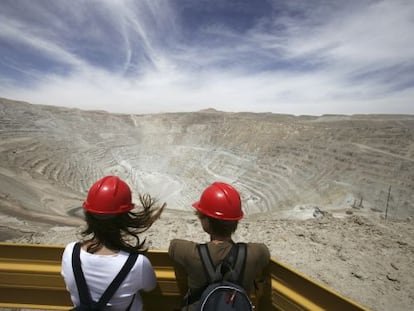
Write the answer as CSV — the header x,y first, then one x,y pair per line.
x,y
181,242
142,259
256,245
258,248
69,247
67,253
180,245
71,244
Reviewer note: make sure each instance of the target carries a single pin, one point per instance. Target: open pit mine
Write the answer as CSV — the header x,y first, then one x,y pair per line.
x,y
283,165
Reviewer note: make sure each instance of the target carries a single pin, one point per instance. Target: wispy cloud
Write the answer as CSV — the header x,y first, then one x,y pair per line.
x,y
154,56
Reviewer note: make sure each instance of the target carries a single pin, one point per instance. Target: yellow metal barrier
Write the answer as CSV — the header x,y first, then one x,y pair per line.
x,y
30,279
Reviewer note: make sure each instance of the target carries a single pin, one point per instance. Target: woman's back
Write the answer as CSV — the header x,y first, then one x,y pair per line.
x,y
113,225
100,270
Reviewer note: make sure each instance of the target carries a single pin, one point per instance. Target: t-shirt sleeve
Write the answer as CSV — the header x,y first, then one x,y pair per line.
x,y
149,280
67,273
66,265
64,262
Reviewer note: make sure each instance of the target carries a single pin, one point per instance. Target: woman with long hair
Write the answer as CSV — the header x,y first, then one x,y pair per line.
x,y
113,225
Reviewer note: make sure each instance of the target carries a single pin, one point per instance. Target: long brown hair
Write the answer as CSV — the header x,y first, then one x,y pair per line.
x,y
121,231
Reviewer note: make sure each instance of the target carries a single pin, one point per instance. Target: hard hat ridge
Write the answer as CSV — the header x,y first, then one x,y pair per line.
x,y
220,201
109,195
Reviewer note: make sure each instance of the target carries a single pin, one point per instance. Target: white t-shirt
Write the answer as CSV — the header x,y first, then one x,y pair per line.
x,y
100,270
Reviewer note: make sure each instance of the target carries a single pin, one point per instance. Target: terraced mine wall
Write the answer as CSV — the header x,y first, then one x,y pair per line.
x,y
280,163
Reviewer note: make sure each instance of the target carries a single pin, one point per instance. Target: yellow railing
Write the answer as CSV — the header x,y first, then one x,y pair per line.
x,y
30,279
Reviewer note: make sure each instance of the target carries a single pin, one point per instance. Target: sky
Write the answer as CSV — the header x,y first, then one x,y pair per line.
x,y
296,57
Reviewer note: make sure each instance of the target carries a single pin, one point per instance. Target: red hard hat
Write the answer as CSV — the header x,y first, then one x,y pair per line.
x,y
220,201
109,195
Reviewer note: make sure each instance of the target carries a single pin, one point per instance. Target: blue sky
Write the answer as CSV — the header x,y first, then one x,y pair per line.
x,y
298,56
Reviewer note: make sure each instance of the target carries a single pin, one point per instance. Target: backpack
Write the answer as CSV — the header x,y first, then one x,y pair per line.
x,y
224,290
85,296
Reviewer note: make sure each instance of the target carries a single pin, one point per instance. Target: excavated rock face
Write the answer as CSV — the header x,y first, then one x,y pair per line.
x,y
281,164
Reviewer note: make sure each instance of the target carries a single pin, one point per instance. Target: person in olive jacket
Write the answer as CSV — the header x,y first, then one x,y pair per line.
x,y
219,211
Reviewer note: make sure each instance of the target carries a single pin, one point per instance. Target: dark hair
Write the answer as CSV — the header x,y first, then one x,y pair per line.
x,y
120,231
220,227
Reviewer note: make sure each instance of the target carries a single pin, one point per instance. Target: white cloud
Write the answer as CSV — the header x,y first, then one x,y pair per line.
x,y
308,66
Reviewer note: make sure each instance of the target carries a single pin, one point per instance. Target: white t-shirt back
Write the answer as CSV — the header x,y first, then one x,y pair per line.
x,y
100,270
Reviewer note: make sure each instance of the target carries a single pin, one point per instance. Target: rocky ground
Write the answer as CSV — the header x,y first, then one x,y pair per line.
x,y
332,196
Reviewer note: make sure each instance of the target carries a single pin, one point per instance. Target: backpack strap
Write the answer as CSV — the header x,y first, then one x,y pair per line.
x,y
83,290
110,291
207,263
84,294
235,259
240,262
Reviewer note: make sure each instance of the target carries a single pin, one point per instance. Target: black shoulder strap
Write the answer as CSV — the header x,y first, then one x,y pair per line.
x,y
83,290
236,258
207,262
240,263
84,294
110,291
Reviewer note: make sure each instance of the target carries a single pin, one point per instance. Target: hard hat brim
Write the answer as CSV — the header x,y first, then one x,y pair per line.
x,y
199,208
121,210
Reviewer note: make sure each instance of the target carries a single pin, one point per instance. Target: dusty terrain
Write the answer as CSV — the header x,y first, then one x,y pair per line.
x,y
331,196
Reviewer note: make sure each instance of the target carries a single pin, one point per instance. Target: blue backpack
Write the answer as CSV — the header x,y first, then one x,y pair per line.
x,y
224,290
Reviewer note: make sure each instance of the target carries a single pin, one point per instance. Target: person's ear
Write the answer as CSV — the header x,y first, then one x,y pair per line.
x,y
205,223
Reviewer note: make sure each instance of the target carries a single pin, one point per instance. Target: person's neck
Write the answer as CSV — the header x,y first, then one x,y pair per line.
x,y
220,239
101,251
